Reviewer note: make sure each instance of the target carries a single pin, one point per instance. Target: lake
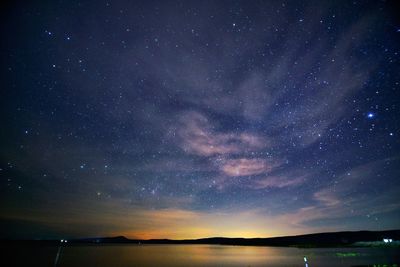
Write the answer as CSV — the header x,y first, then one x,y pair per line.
x,y
197,255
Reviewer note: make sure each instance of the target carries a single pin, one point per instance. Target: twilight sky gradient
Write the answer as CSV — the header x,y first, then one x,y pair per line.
x,y
188,119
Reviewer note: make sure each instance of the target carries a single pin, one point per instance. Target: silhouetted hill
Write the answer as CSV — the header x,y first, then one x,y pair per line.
x,y
318,239
309,240
116,239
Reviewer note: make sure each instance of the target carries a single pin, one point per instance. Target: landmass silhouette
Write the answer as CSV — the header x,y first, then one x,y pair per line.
x,y
329,239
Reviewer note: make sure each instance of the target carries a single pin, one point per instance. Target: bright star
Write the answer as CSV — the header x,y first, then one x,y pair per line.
x,y
370,115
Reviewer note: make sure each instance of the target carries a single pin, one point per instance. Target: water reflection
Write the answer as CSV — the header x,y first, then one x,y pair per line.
x,y
210,255
200,255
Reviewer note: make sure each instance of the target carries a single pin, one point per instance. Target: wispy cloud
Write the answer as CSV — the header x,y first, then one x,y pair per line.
x,y
245,167
199,136
278,181
344,199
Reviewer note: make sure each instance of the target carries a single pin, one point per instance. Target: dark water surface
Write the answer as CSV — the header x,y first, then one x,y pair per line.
x,y
196,255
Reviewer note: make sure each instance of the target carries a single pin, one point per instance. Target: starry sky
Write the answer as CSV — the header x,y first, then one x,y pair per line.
x,y
190,119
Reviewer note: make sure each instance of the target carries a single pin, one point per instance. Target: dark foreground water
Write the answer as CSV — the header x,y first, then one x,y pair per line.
x,y
196,255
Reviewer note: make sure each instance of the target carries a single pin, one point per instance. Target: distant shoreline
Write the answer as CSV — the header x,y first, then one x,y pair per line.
x,y
318,240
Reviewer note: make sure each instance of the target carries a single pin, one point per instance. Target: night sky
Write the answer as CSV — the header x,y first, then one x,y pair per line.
x,y
189,119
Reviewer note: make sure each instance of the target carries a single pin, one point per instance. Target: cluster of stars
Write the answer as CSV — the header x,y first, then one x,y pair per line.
x,y
217,109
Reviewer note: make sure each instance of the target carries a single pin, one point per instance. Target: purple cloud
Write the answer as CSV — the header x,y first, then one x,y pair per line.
x,y
198,136
245,167
278,181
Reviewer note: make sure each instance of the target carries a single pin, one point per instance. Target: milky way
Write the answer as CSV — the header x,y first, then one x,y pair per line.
x,y
186,119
